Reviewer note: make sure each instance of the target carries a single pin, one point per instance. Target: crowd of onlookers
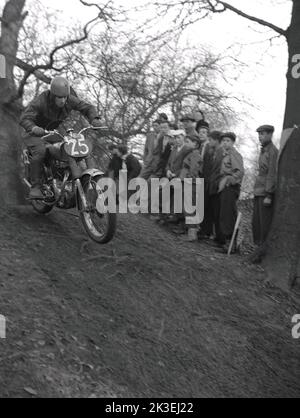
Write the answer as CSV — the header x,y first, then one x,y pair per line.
x,y
193,150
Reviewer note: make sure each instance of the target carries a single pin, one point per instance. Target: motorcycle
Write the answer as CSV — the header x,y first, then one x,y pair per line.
x,y
64,190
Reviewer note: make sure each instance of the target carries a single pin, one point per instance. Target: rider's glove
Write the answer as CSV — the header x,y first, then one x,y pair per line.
x,y
97,123
37,131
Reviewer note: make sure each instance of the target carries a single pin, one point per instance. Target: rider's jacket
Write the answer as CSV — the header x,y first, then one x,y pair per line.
x,y
43,112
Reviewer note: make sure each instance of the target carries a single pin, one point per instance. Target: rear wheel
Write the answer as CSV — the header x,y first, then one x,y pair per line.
x,y
101,228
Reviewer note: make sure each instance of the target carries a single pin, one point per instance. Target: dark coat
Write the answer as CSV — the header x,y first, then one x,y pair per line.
x,y
266,181
215,174
116,164
192,165
133,166
163,154
208,163
43,112
150,160
232,169
175,163
150,145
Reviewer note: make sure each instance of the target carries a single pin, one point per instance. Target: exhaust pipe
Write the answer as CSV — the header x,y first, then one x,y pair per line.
x,y
26,182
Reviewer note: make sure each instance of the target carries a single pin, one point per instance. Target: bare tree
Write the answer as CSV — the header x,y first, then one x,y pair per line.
x,y
132,81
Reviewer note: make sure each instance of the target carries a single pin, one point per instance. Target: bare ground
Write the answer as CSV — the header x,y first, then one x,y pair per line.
x,y
146,316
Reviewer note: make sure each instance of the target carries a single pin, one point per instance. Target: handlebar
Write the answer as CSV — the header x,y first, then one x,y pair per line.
x,y
55,132
99,128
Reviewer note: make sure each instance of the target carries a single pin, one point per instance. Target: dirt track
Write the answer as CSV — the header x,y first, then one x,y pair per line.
x,y
147,315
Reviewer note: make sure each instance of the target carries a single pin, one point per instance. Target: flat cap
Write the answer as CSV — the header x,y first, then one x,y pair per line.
x,y
202,124
230,135
266,128
217,135
188,116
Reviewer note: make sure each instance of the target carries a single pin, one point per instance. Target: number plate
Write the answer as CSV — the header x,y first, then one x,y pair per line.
x,y
77,146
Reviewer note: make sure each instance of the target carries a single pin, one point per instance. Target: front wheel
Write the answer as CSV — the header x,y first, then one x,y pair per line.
x,y
100,228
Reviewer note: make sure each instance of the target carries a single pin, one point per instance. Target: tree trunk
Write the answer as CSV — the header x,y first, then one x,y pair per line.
x,y
10,185
282,259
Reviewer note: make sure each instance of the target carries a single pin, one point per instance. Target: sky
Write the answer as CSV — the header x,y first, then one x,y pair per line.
x,y
263,78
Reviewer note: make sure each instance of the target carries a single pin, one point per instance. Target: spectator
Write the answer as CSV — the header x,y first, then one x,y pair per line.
x,y
132,164
115,164
202,124
191,170
264,191
163,150
178,154
161,155
231,177
214,196
207,227
200,118
204,139
175,165
151,144
189,124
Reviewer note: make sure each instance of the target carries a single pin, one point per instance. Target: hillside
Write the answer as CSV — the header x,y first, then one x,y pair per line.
x,y
147,315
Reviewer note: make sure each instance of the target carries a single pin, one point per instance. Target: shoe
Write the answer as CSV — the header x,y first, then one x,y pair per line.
x,y
36,193
214,244
179,230
192,235
173,220
202,237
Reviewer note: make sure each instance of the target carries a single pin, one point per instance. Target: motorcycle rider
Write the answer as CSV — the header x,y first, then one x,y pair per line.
x,y
52,107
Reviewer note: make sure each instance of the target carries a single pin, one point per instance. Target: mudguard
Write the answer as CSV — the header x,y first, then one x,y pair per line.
x,y
90,173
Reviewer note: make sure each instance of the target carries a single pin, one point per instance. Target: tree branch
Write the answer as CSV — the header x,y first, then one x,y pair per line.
x,y
38,74
36,69
247,16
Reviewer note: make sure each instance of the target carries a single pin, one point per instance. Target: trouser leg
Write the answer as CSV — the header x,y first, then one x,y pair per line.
x,y
256,221
228,211
216,207
262,219
38,154
207,224
218,215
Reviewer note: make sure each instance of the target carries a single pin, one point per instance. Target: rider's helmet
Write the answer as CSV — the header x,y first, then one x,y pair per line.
x,y
60,87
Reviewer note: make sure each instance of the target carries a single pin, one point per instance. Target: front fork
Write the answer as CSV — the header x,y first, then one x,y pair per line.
x,y
84,204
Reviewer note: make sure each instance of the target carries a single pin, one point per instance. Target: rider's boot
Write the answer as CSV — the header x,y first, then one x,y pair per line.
x,y
36,173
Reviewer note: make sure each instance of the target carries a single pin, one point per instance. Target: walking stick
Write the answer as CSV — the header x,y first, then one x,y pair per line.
x,y
236,228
